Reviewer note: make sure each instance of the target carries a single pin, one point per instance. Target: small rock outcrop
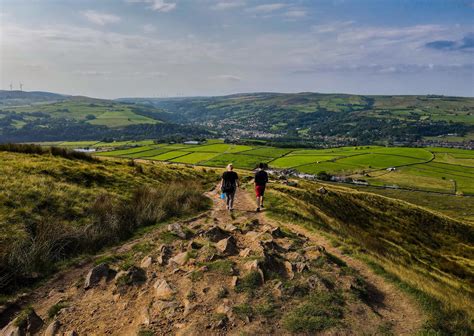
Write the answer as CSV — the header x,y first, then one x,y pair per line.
x,y
70,333
178,231
146,262
52,329
216,234
180,259
96,274
27,323
227,246
315,282
163,290
165,255
133,276
322,191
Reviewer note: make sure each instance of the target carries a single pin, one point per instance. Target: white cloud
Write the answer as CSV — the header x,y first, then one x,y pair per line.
x,y
296,13
138,63
100,18
223,5
161,6
91,73
157,5
229,78
149,28
267,8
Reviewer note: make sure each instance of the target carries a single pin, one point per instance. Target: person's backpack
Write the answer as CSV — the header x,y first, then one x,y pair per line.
x,y
261,178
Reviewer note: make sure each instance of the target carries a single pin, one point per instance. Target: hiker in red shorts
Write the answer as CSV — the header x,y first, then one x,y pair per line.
x,y
261,180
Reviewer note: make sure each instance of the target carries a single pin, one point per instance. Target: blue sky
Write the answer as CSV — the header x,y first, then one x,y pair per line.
x,y
118,48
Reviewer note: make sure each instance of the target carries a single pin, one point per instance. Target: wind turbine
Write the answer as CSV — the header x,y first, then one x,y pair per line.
x,y
21,86
11,86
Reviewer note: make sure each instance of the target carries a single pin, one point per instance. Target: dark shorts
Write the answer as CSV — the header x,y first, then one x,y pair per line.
x,y
229,191
259,190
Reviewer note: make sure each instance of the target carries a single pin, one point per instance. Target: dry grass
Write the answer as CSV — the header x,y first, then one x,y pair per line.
x,y
426,251
52,208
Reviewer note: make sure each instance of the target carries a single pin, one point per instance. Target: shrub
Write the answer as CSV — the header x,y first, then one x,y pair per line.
x,y
55,151
243,311
111,220
224,267
145,332
54,309
267,309
21,320
249,282
318,312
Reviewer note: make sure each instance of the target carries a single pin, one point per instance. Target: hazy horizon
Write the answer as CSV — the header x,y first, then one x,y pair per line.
x,y
222,95
169,48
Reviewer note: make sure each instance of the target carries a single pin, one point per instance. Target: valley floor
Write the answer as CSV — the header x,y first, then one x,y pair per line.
x,y
202,284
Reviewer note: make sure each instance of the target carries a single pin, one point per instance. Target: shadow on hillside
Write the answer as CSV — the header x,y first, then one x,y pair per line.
x,y
375,298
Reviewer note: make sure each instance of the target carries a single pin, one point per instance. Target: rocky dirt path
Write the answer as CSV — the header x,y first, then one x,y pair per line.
x,y
390,303
220,273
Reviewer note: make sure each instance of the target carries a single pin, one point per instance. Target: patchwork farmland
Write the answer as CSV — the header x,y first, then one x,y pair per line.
x,y
442,170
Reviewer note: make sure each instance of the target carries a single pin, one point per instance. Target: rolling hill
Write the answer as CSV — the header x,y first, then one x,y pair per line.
x,y
325,118
16,98
312,119
33,116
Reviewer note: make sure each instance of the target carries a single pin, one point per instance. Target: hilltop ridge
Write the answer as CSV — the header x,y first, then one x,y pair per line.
x,y
304,118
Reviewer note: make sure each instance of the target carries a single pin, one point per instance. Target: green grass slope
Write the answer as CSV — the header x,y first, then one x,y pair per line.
x,y
430,252
316,116
53,208
92,111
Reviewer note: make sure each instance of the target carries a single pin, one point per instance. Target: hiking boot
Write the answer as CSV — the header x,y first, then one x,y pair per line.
x,y
258,210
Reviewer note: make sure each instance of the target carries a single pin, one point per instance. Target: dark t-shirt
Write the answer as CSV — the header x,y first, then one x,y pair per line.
x,y
261,178
230,180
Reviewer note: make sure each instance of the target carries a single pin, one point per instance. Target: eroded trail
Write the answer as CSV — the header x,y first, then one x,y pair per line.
x,y
389,302
224,273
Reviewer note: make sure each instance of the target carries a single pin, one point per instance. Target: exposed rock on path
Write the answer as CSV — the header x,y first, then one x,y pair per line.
x,y
219,274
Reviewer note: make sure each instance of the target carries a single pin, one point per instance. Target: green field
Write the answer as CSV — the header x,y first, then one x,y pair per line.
x,y
195,158
92,111
239,161
168,155
221,148
300,160
444,170
268,152
128,151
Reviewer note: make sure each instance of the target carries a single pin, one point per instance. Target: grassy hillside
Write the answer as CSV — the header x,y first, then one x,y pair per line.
x,y
82,118
91,111
52,208
300,118
326,118
430,253
460,208
18,98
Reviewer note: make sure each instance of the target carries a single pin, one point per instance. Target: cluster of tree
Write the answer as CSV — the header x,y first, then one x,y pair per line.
x,y
55,129
40,150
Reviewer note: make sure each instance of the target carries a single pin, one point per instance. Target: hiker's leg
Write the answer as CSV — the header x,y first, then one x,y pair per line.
x,y
261,202
231,199
258,201
227,199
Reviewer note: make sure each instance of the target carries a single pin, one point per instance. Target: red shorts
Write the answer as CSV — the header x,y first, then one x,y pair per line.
x,y
259,190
